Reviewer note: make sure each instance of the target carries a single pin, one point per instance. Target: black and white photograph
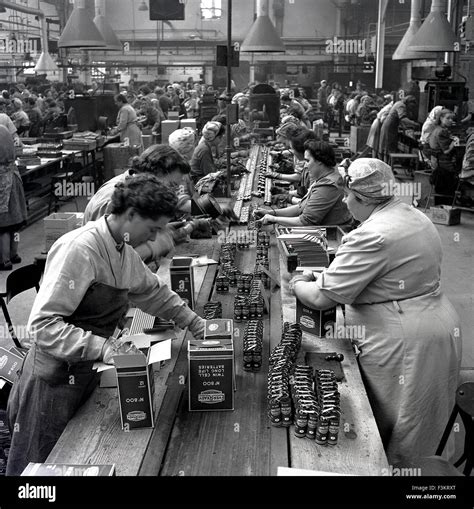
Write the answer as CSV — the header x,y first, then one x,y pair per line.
x,y
236,252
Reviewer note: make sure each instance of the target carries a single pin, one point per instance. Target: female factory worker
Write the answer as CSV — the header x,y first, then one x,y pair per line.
x,y
91,275
127,125
389,132
323,203
202,162
170,167
387,273
13,213
443,160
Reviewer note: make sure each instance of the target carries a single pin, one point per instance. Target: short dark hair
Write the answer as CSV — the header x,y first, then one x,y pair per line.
x,y
160,160
121,98
31,101
150,198
322,152
285,97
300,138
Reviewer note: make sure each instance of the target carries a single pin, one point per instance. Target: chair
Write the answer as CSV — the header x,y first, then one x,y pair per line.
x,y
18,281
464,406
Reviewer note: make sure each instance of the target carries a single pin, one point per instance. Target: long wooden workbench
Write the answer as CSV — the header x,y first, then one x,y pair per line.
x,y
232,443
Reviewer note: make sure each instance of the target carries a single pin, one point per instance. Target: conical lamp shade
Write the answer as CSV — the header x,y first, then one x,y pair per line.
x,y
80,31
111,40
436,33
45,64
404,50
263,37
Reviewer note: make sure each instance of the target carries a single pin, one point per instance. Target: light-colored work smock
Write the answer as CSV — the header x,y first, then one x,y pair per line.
x,y
387,272
127,125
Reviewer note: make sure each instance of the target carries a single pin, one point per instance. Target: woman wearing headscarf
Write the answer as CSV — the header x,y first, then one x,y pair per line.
x,y
428,127
443,160
322,204
202,162
127,125
13,213
387,274
397,117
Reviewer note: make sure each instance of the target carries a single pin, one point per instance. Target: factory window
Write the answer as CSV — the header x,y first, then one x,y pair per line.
x,y
211,9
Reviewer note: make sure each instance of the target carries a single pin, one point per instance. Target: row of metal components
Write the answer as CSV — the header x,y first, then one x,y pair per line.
x,y
246,185
253,345
282,360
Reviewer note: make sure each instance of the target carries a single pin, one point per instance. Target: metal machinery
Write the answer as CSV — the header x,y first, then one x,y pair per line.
x,y
258,165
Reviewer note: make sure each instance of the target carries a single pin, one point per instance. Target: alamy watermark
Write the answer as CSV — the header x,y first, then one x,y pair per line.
x,y
12,46
74,189
402,189
337,46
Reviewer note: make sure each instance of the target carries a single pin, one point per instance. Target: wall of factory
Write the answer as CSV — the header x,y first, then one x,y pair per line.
x,y
303,19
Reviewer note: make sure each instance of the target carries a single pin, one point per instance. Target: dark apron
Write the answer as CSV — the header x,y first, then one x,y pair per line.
x,y
49,391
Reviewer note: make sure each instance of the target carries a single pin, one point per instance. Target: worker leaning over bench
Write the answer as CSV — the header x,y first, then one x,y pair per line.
x,y
92,274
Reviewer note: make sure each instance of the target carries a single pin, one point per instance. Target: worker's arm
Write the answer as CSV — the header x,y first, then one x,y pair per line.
x,y
153,296
310,295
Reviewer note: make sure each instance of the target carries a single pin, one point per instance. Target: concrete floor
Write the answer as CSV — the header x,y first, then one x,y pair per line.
x,y
457,283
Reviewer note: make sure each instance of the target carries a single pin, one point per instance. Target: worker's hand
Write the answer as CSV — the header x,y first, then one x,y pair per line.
x,y
216,175
266,219
306,277
272,175
228,213
114,347
196,327
260,213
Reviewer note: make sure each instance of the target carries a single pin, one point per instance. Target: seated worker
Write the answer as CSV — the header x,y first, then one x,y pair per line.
x,y
295,109
20,117
7,122
301,179
154,115
323,204
202,162
166,164
92,275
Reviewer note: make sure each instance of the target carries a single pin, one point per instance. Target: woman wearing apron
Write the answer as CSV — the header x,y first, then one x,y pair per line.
x,y
92,274
397,116
387,273
127,125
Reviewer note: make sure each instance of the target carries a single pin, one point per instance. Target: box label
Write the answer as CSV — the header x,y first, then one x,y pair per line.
x,y
10,363
314,321
136,398
211,384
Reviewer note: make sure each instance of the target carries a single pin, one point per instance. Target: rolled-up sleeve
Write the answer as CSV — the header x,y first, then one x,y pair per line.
x,y
359,261
318,205
69,274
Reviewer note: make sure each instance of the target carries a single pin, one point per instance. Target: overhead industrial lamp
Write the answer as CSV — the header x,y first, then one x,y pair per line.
x,y
143,6
404,50
80,31
111,40
263,36
436,33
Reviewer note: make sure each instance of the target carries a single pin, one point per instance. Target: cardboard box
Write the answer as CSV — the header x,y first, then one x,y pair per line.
x,y
168,127
444,214
64,470
182,278
10,363
136,389
313,321
173,115
57,224
211,376
189,122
